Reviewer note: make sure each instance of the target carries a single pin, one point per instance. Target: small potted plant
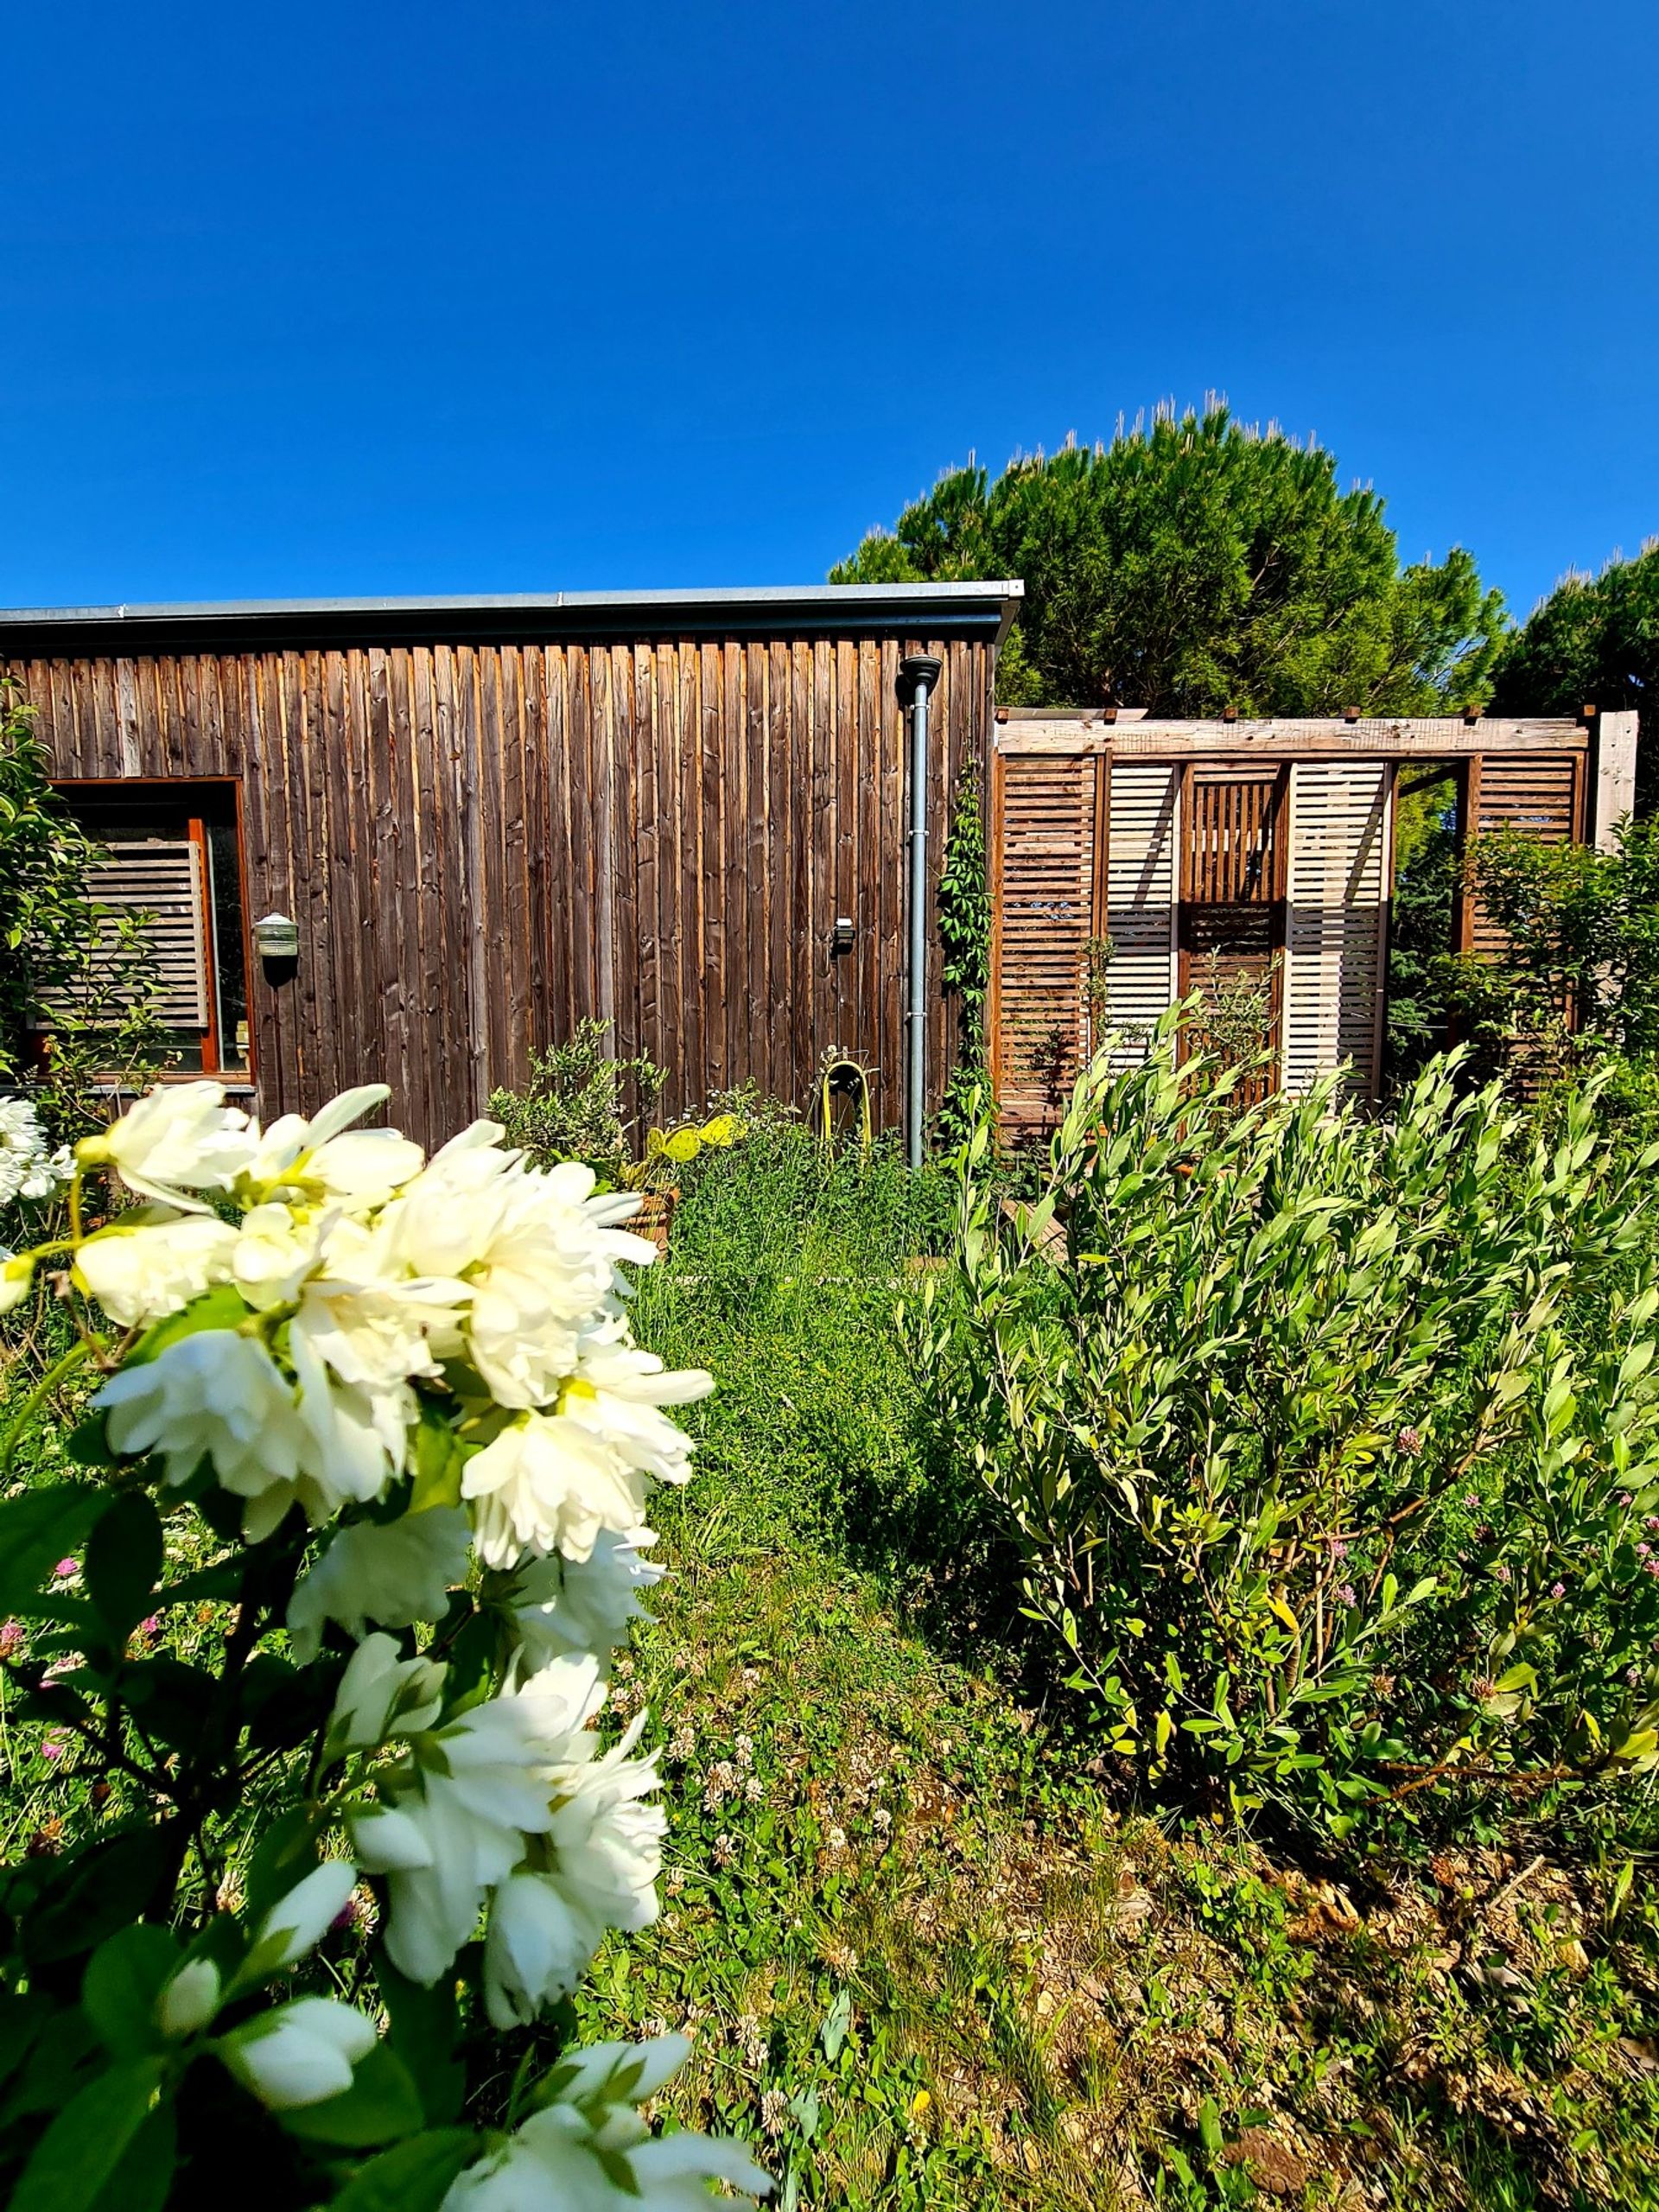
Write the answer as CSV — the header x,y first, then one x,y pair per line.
x,y
657,1175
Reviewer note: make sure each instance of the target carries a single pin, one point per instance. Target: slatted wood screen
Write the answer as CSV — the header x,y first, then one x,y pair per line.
x,y
1537,793
1045,832
163,877
1336,922
1141,874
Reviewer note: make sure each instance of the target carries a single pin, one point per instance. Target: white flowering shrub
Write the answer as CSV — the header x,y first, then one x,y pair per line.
x,y
29,1168
387,1416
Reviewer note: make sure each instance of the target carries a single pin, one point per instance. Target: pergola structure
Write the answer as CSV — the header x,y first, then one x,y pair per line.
x,y
1134,861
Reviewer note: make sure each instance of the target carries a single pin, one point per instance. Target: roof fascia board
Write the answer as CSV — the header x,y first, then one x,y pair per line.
x,y
947,609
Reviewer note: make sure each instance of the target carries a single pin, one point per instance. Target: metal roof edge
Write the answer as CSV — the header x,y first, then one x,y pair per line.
x,y
971,606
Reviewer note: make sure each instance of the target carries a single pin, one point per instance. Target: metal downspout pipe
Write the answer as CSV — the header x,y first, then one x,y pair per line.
x,y
921,671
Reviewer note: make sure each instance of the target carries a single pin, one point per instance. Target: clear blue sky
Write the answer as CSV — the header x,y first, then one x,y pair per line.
x,y
466,298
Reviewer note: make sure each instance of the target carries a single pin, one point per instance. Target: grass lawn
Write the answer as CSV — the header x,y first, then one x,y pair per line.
x,y
932,1960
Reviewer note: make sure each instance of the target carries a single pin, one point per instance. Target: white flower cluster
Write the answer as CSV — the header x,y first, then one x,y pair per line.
x,y
359,1273
587,2147
26,1169
432,1360
510,1801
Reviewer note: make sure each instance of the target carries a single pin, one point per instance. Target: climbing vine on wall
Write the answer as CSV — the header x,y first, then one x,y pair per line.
x,y
965,940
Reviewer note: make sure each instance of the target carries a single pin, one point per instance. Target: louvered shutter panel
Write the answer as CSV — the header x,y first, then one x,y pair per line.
x,y
1338,890
1142,834
1535,793
163,877
1045,833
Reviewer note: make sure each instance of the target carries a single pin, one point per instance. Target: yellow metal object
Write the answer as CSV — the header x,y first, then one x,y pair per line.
x,y
826,1119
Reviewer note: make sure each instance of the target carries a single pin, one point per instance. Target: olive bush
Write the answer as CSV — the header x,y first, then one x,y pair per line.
x,y
1327,1443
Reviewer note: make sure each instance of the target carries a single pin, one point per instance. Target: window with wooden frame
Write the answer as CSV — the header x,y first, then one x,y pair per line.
x,y
173,854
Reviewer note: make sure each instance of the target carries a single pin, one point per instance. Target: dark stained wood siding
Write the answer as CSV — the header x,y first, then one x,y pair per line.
x,y
483,842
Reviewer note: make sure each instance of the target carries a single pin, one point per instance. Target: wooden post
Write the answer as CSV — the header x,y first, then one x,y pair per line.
x,y
1614,787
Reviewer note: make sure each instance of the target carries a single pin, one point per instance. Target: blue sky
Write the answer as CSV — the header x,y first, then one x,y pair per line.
x,y
371,298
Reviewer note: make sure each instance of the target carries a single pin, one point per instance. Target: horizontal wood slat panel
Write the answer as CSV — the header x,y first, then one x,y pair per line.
x,y
1141,873
1534,795
1335,932
1046,830
1228,930
162,880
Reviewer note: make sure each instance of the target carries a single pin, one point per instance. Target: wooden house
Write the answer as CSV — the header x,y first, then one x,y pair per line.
x,y
685,813
1135,860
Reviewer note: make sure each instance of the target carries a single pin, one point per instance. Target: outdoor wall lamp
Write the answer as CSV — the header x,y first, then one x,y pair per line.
x,y
276,937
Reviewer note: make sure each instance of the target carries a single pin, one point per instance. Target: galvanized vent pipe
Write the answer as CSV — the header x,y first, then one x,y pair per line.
x,y
920,671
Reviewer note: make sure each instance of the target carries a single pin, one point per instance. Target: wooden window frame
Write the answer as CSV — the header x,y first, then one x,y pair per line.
x,y
1224,769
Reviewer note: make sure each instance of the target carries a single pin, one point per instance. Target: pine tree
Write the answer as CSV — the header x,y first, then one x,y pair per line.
x,y
1197,565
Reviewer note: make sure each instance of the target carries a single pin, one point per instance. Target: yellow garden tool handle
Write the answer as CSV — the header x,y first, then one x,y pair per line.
x,y
826,1127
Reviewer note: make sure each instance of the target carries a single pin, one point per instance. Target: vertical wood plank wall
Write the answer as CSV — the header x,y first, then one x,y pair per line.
x,y
483,843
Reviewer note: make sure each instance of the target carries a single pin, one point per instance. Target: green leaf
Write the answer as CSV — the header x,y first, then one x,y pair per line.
x,y
170,1700
412,2176
382,2104
98,1890
125,1976
282,1704
286,1853
221,1308
87,1445
23,2014
837,2020
438,1462
86,2142
423,2033
145,2178
64,2045
1210,2132
37,1530
222,1579
1634,1363
123,1563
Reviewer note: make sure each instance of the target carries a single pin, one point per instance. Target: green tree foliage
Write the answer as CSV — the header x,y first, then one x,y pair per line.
x,y
1196,565
573,1106
1420,918
1580,974
1577,978
85,973
1593,642
965,940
